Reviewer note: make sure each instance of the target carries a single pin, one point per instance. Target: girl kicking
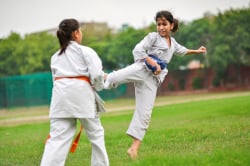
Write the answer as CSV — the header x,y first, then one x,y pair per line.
x,y
163,46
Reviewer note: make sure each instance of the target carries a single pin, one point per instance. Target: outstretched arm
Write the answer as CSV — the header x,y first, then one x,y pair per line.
x,y
200,50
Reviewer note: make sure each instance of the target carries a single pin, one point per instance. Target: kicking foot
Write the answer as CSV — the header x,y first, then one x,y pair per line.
x,y
105,75
107,85
109,82
132,153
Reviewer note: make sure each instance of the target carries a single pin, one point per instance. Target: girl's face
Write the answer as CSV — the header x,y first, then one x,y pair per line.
x,y
164,27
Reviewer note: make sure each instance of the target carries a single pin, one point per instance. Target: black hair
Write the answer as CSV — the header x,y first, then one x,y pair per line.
x,y
168,16
64,32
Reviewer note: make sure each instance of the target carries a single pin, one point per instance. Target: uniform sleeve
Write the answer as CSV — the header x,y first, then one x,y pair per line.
x,y
96,73
179,49
53,70
140,50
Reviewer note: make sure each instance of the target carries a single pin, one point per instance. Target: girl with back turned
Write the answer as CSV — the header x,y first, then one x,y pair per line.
x,y
77,73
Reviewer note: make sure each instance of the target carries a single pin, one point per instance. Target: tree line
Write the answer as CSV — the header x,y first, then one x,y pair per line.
x,y
226,36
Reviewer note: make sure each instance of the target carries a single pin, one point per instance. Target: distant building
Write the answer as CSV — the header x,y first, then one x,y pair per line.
x,y
91,28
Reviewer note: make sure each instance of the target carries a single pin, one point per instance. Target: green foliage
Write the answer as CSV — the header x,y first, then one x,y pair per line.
x,y
26,55
192,35
9,58
211,132
197,83
230,41
120,50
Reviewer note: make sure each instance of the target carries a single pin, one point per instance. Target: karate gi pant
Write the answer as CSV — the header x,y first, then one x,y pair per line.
x,y
145,93
62,131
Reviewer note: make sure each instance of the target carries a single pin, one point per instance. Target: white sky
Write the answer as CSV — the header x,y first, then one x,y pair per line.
x,y
27,16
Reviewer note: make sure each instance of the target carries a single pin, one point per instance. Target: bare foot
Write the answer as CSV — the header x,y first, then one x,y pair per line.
x,y
132,153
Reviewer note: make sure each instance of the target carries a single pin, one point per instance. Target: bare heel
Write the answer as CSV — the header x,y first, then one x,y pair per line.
x,y
132,153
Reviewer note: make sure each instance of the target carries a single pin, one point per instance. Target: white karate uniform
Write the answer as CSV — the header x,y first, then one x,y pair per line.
x,y
74,99
145,82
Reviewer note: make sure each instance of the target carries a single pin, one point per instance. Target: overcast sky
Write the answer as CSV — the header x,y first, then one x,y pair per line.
x,y
27,16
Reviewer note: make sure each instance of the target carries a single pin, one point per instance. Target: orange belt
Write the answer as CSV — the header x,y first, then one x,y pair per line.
x,y
84,78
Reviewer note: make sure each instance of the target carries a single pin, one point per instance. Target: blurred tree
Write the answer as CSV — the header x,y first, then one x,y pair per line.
x,y
120,49
231,38
36,52
28,55
192,35
8,55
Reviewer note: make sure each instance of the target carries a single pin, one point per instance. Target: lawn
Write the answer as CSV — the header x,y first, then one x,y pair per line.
x,y
208,132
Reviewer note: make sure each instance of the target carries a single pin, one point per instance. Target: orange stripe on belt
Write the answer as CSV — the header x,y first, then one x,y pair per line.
x,y
84,78
75,142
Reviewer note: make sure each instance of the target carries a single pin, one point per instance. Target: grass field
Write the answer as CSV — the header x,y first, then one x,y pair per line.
x,y
212,131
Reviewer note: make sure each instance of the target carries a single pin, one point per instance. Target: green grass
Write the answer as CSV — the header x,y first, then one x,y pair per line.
x,y
210,132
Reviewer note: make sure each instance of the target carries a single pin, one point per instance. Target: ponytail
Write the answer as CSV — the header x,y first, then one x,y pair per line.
x,y
176,25
64,33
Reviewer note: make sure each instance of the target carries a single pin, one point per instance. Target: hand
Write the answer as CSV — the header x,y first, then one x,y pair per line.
x,y
154,64
202,49
158,69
